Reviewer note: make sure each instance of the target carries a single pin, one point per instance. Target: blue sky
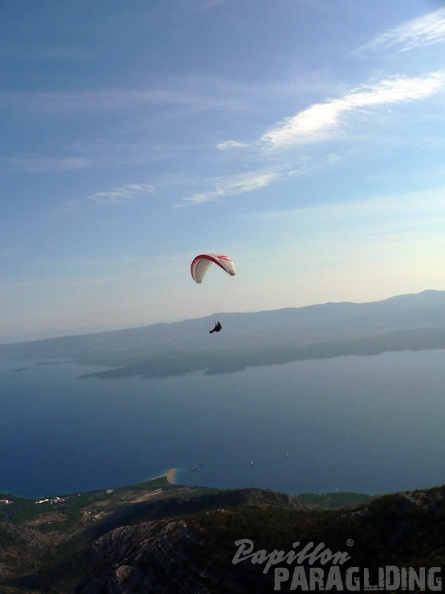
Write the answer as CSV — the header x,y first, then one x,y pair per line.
x,y
304,138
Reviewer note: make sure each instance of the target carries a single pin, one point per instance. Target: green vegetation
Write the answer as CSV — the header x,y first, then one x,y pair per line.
x,y
338,500
48,547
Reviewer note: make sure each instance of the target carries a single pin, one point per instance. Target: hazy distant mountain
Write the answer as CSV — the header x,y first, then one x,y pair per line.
x,y
414,322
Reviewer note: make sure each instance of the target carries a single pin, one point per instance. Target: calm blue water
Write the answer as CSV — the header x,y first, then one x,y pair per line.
x,y
368,424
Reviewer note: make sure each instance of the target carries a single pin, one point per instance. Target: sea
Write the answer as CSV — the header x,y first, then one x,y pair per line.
x,y
359,424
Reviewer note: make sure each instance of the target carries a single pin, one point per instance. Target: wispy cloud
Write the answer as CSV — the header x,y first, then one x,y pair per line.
x,y
175,93
33,53
234,185
321,121
201,5
8,253
43,164
120,194
317,123
249,181
115,195
61,53
230,144
425,30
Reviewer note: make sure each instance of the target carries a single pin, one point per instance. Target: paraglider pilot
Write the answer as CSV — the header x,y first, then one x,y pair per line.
x,y
217,328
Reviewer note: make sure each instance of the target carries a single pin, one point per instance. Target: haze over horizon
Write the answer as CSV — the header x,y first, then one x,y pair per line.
x,y
305,140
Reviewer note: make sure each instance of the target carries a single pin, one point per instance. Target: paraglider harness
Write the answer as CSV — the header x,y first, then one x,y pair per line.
x,y
217,328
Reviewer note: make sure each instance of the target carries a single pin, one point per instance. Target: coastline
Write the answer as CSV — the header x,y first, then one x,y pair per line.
x,y
169,474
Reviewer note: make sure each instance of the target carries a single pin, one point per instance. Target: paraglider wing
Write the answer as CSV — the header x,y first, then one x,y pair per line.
x,y
201,263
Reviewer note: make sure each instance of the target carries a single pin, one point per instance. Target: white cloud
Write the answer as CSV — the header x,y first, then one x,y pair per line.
x,y
230,144
322,120
115,195
180,93
120,194
425,30
317,123
42,164
206,4
237,184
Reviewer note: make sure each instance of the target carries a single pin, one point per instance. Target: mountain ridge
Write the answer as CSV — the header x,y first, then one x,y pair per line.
x,y
410,299
162,538
404,322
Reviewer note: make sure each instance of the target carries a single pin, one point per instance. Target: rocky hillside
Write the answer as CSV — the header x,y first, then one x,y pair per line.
x,y
166,539
195,554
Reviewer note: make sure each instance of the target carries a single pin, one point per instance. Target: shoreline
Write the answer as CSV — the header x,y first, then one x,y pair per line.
x,y
169,474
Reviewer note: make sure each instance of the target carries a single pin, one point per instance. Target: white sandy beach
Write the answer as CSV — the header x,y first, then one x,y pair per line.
x,y
170,475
